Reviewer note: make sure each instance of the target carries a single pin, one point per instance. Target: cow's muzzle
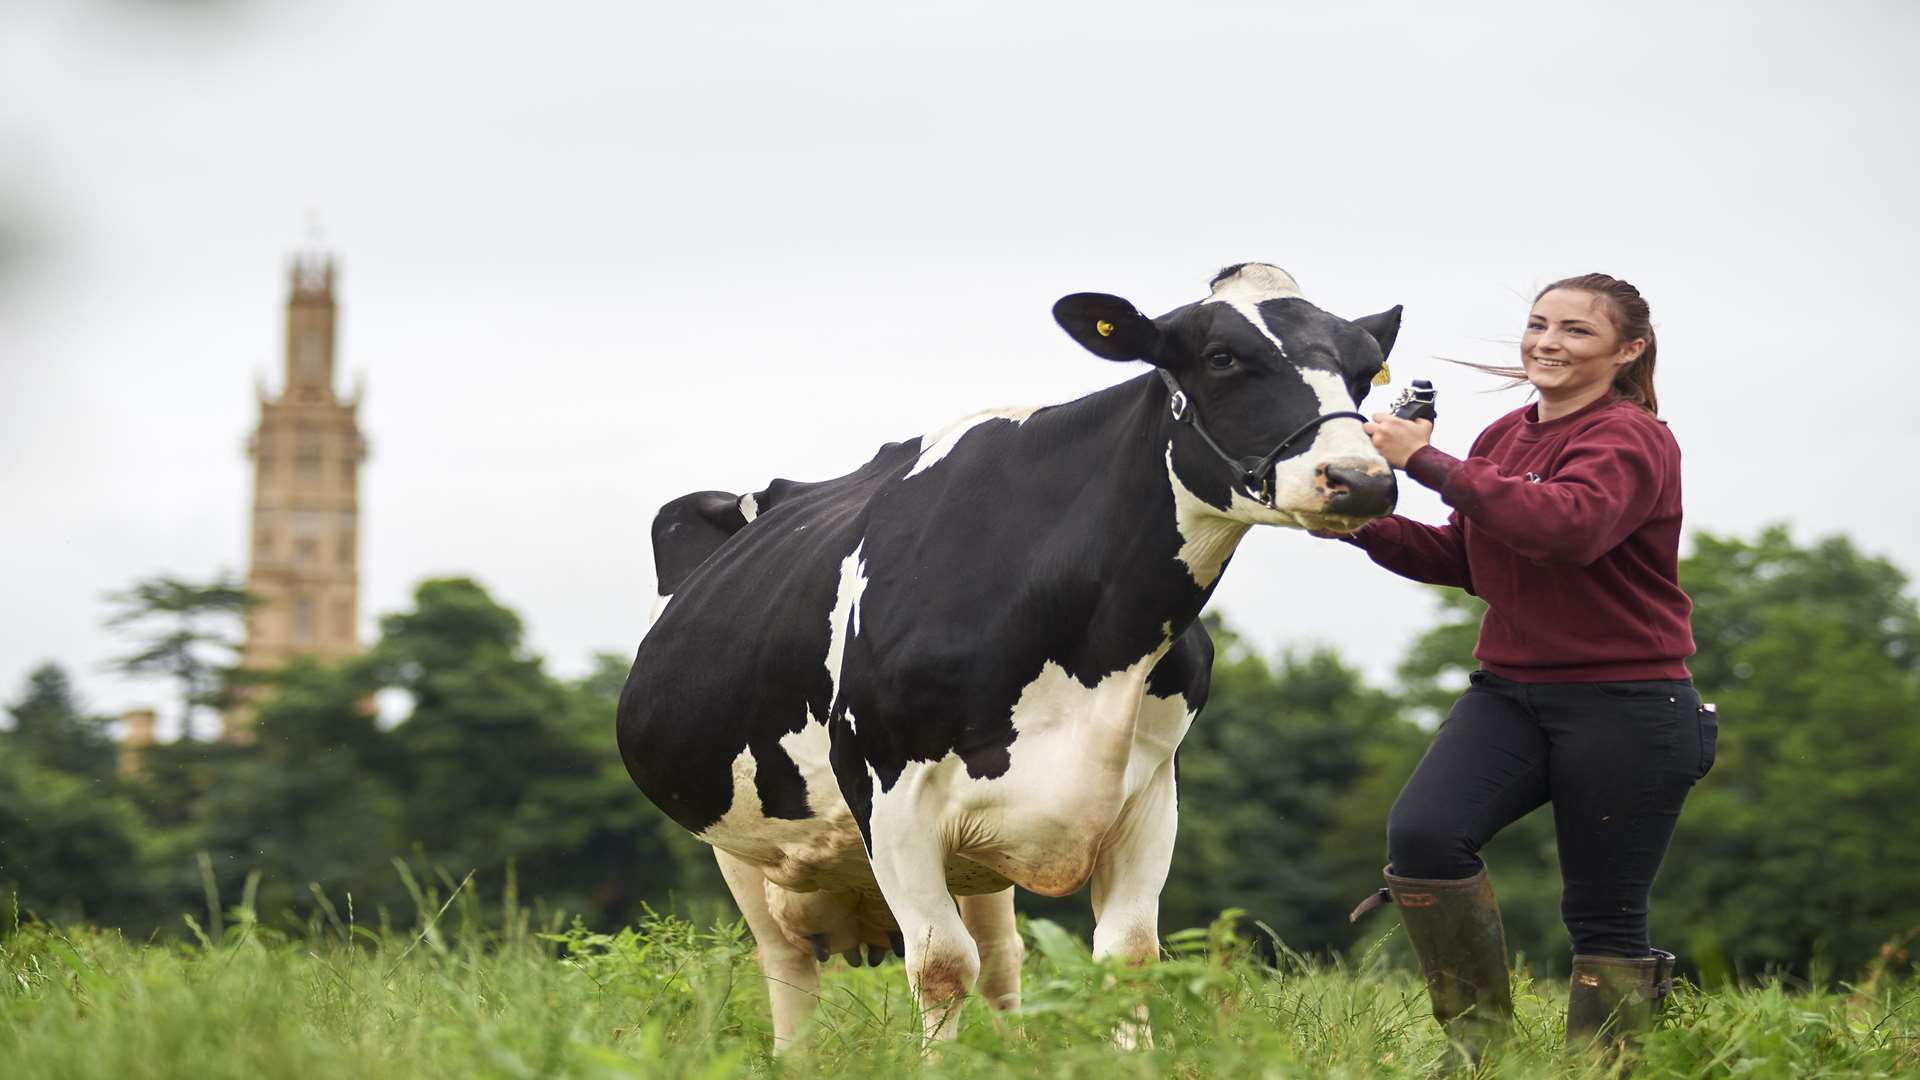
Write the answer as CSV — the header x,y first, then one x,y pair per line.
x,y
1358,489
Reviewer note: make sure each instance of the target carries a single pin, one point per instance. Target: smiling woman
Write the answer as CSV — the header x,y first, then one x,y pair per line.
x,y
1566,520
1595,328
1575,353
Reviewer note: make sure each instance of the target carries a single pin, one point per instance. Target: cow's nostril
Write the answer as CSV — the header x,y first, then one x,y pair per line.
x,y
1359,492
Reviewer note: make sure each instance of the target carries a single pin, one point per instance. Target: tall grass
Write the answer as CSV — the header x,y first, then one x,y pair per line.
x,y
500,990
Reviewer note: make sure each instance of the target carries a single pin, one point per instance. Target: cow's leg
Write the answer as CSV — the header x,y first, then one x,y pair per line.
x,y
1127,882
909,862
792,974
989,919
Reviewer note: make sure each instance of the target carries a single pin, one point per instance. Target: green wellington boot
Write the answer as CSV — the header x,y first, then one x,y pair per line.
x,y
1615,998
1455,930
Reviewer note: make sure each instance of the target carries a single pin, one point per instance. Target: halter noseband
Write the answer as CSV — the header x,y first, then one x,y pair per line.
x,y
1255,473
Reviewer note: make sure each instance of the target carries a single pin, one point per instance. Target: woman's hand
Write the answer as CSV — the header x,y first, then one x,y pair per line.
x,y
1397,439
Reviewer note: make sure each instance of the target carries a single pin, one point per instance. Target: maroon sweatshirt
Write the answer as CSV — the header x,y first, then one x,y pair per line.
x,y
1570,531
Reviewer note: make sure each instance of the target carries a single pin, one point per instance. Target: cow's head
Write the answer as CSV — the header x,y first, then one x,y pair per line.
x,y
1257,362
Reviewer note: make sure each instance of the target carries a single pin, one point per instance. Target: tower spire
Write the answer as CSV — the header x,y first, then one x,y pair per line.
x,y
311,324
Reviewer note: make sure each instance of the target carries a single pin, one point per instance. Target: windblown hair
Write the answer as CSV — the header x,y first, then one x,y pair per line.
x,y
1627,309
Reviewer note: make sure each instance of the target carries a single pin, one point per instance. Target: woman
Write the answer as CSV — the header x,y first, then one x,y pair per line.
x,y
1566,521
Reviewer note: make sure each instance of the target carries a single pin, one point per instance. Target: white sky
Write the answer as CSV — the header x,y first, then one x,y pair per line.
x,y
597,255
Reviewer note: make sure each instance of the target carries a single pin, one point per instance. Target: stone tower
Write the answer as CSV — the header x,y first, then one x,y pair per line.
x,y
305,545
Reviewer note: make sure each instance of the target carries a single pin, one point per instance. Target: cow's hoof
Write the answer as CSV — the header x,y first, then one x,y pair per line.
x,y
819,947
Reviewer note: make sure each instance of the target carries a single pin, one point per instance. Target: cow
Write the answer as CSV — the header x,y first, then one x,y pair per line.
x,y
888,698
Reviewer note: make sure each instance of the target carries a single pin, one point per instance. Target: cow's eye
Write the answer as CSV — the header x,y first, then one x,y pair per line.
x,y
1220,361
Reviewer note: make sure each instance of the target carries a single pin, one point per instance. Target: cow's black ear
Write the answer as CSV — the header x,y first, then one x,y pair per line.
x,y
1107,326
1384,327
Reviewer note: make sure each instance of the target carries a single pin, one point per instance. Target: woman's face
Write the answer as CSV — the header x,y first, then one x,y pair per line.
x,y
1571,347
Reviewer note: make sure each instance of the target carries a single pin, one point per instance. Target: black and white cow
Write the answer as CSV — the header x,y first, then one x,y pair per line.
x,y
967,664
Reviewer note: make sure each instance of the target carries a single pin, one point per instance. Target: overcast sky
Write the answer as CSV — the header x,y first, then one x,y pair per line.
x,y
594,256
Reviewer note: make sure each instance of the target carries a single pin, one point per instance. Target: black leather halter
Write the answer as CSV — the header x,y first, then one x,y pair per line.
x,y
1255,474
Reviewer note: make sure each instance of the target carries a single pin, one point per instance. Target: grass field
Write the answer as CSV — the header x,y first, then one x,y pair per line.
x,y
483,993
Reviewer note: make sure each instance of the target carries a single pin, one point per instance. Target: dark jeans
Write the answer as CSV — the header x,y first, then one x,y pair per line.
x,y
1615,759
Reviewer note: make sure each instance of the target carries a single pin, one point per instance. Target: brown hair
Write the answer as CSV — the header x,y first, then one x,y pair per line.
x,y
1631,319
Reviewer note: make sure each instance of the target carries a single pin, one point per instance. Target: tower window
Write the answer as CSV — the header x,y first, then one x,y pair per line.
x,y
305,551
346,549
303,621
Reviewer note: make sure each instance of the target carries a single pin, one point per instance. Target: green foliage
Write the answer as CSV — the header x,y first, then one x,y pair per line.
x,y
1798,852
482,732
499,768
316,798
187,631
68,851
50,726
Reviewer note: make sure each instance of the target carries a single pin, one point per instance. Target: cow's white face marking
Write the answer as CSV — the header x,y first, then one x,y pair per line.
x,y
936,445
749,508
1249,287
1296,483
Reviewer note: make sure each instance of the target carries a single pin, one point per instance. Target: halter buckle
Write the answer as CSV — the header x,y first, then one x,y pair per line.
x,y
1179,402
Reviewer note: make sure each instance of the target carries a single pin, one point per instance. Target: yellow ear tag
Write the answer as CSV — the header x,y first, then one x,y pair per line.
x,y
1385,376
1105,328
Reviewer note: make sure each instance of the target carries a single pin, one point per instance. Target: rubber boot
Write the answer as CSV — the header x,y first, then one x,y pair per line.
x,y
1455,930
1614,999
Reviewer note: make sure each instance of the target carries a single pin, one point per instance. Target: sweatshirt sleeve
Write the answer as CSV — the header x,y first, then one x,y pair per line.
x,y
1435,554
1605,487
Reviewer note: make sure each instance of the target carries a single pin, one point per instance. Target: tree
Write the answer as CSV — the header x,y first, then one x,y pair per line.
x,y
1797,851
187,631
315,799
70,848
506,764
50,724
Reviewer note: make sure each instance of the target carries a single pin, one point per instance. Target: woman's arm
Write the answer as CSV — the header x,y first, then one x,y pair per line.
x,y
1435,554
1604,488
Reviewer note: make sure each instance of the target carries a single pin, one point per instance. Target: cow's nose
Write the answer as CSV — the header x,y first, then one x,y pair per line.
x,y
1355,490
